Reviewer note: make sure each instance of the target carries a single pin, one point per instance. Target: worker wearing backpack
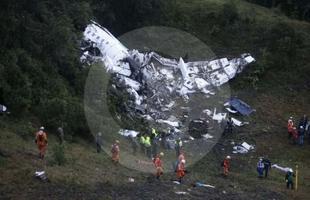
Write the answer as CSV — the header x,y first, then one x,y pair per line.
x,y
41,141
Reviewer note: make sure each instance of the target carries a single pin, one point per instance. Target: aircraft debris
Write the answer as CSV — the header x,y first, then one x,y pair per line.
x,y
154,83
283,169
127,133
219,117
199,184
240,106
181,192
238,123
242,148
41,175
131,180
3,108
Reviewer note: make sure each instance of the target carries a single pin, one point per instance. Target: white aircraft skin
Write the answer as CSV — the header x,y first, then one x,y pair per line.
x,y
176,76
114,52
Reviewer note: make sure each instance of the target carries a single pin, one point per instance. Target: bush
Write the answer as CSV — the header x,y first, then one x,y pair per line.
x,y
59,155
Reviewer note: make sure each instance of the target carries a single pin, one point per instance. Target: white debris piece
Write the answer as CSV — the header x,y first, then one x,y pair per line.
x,y
148,117
168,73
237,122
112,50
182,66
131,83
41,175
127,133
231,110
205,91
201,83
170,104
174,124
208,112
284,169
189,83
249,59
198,184
239,149
138,99
247,146
184,91
207,136
227,103
3,108
243,148
219,117
165,61
176,182
181,192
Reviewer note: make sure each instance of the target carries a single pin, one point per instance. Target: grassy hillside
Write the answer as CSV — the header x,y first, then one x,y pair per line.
x,y
276,86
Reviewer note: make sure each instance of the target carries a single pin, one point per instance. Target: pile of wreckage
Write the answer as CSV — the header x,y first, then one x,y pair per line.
x,y
157,85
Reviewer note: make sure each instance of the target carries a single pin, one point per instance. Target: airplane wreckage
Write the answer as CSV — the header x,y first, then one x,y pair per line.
x,y
156,84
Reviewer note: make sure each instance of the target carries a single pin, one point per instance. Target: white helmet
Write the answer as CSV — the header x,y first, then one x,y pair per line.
x,y
183,161
290,170
41,128
228,157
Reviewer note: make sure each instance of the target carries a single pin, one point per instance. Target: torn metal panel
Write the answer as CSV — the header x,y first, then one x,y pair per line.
x,y
171,123
284,169
238,123
243,148
219,117
240,106
231,110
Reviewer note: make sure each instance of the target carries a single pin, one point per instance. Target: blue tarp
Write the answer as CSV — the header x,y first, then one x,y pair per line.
x,y
240,106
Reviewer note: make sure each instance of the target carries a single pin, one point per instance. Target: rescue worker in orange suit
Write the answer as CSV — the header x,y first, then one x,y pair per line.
x,y
115,152
181,170
181,156
41,141
226,165
158,165
290,127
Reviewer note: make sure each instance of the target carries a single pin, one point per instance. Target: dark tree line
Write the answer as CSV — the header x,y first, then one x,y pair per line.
x,y
40,71
299,9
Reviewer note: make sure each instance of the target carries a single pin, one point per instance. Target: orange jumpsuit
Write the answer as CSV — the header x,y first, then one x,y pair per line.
x,y
226,166
181,157
180,170
290,126
294,134
158,166
115,152
41,141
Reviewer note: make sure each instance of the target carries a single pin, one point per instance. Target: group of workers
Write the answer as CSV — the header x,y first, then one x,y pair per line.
x,y
148,141
263,165
41,140
297,134
157,161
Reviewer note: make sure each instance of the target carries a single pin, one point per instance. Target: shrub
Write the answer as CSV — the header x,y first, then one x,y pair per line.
x,y
59,154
